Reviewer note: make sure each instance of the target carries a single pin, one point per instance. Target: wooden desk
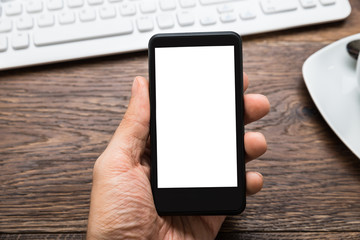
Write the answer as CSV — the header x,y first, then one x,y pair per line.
x,y
55,120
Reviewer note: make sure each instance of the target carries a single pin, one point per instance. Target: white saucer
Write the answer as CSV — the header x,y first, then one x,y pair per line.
x,y
329,75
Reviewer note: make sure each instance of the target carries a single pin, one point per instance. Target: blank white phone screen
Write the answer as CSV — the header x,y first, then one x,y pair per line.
x,y
195,117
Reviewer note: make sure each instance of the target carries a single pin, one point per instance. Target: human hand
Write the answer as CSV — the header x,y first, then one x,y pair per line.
x,y
122,205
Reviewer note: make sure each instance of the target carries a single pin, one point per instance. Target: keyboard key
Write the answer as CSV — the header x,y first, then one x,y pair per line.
x,y
66,18
24,23
71,33
207,20
75,3
185,19
95,2
308,3
327,2
225,8
107,12
277,6
55,4
87,15
3,43
208,2
165,21
147,7
34,6
145,24
5,25
187,3
115,1
127,9
166,5
46,20
20,41
13,8
246,14
228,17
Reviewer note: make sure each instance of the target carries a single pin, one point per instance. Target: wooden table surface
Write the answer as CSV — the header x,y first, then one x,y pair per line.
x,y
55,120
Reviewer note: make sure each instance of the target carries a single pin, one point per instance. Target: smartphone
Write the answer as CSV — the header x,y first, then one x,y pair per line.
x,y
196,126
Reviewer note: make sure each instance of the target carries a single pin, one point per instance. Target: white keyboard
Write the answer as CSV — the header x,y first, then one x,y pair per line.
x,y
44,31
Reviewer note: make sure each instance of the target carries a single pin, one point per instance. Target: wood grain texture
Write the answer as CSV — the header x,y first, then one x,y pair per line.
x,y
221,236
42,236
286,236
55,120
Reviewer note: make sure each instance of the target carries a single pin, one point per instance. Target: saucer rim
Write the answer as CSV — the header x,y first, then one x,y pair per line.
x,y
312,93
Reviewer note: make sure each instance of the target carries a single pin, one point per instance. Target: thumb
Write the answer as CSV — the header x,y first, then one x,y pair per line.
x,y
131,136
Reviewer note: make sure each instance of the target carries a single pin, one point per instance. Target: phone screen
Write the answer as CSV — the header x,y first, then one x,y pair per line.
x,y
196,117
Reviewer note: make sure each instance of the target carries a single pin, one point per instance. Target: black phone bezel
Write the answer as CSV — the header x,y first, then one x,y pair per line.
x,y
199,201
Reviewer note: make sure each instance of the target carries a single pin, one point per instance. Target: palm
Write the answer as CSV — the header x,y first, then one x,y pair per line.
x,y
131,211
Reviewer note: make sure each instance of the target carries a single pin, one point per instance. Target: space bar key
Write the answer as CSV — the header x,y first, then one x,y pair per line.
x,y
82,32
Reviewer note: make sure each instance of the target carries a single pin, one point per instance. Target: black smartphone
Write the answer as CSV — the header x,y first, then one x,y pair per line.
x,y
196,126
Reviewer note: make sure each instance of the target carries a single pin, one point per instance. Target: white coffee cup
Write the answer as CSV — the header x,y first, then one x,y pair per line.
x,y
358,70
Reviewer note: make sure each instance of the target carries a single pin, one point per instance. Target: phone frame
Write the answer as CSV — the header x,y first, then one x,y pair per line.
x,y
210,200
